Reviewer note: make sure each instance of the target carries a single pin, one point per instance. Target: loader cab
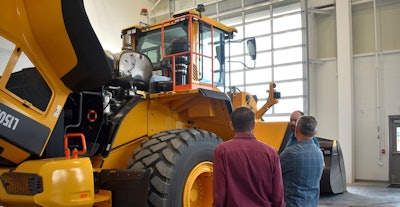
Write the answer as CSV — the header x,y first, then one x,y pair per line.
x,y
187,51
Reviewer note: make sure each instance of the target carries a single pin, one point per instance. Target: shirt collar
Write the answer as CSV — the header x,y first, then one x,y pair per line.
x,y
308,141
243,135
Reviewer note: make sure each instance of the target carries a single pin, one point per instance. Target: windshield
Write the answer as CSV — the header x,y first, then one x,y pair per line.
x,y
150,44
208,49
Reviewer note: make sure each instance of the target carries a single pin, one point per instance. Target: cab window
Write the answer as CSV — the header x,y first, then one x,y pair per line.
x,y
25,83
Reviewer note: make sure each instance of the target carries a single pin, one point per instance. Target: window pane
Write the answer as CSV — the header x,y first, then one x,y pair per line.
x,y
235,64
258,76
6,49
288,55
285,7
288,72
287,22
232,19
263,43
288,39
23,62
183,4
263,59
237,78
275,118
27,83
257,14
288,105
252,2
260,91
230,5
257,28
209,53
286,32
290,88
210,10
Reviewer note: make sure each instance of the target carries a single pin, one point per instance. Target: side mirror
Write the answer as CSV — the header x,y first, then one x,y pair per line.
x,y
251,46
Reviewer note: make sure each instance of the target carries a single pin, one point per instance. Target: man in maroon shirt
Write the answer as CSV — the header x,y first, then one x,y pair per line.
x,y
247,172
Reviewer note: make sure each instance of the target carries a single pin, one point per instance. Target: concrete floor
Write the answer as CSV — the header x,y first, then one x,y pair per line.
x,y
363,194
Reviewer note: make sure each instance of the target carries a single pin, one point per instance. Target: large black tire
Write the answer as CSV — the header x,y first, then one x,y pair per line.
x,y
181,165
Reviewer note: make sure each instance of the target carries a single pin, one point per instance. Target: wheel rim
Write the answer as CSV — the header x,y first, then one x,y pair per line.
x,y
197,191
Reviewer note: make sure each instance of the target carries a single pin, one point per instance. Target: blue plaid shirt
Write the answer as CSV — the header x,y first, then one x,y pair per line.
x,y
292,141
302,166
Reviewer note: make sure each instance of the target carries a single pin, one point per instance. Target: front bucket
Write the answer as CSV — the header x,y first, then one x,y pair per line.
x,y
333,178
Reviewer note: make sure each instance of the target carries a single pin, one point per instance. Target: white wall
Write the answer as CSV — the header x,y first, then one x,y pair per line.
x,y
370,112
376,97
326,96
376,86
367,152
109,17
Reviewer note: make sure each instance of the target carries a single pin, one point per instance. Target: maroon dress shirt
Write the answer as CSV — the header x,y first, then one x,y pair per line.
x,y
247,173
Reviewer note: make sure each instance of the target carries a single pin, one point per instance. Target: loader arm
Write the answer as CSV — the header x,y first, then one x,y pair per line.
x,y
272,100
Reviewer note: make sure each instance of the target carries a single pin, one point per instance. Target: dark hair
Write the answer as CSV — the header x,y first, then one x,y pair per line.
x,y
307,125
242,119
302,113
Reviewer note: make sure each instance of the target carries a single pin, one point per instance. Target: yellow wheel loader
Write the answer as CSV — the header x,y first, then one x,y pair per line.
x,y
84,127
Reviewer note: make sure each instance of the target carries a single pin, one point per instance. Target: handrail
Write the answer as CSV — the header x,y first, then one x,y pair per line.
x,y
191,52
75,152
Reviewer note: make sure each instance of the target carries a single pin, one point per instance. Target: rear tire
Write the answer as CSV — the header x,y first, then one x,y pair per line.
x,y
181,165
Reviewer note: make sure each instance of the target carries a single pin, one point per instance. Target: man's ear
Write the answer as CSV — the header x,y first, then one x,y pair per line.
x,y
253,125
230,124
296,130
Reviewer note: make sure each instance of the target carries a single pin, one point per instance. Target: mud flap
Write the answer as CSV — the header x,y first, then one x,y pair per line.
x,y
128,187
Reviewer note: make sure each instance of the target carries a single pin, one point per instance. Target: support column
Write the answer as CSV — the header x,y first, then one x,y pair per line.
x,y
345,84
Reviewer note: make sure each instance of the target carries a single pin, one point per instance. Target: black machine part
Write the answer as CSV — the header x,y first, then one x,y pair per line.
x,y
129,187
333,178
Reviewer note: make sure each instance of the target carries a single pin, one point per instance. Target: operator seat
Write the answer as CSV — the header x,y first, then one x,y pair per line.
x,y
182,61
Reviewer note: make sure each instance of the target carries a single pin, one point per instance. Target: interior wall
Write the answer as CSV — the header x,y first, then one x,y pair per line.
x,y
385,33
325,92
379,99
109,17
326,35
375,83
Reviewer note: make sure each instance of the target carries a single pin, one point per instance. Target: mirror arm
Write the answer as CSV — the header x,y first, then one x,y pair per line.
x,y
232,61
